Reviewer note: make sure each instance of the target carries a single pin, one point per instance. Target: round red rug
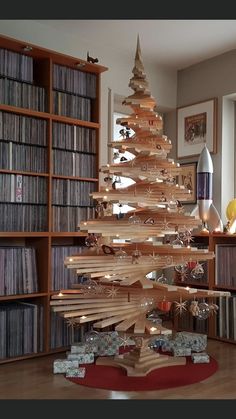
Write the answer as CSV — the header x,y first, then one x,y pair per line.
x,y
113,378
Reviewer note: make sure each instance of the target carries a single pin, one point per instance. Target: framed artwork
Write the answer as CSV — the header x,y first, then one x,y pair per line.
x,y
188,178
196,125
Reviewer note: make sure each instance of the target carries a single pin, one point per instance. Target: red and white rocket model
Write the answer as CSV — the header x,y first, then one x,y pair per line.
x,y
205,209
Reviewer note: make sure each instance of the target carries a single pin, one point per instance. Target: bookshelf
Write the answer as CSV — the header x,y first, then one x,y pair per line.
x,y
49,159
220,275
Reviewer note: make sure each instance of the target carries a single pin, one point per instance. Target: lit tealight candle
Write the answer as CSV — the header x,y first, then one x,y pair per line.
x,y
71,260
152,329
83,317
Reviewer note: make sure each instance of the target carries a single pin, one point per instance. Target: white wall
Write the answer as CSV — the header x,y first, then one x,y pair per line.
x,y
163,82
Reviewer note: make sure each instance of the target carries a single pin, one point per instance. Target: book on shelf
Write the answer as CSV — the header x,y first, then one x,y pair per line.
x,y
225,274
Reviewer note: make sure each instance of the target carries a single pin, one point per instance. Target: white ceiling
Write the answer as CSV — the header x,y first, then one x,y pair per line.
x,y
174,43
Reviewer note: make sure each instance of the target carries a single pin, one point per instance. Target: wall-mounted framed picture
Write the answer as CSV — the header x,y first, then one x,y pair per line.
x,y
196,125
188,178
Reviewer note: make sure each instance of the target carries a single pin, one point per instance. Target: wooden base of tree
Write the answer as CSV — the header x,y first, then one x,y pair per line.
x,y
141,360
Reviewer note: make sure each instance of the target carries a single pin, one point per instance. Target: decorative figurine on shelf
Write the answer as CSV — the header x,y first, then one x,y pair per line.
x,y
205,209
231,216
91,59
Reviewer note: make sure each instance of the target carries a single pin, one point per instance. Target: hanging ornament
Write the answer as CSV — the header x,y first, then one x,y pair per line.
x,y
180,306
92,336
197,272
111,292
99,210
182,270
120,255
194,308
89,286
172,204
149,221
91,240
170,180
180,207
149,192
73,322
147,304
177,242
134,219
213,308
188,237
107,209
164,305
108,250
204,311
136,254
162,279
163,197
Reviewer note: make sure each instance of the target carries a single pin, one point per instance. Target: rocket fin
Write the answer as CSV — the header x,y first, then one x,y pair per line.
x,y
214,221
195,211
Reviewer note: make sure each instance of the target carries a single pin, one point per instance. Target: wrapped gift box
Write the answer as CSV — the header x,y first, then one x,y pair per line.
x,y
83,348
108,343
196,341
81,358
76,372
200,358
181,351
159,341
60,366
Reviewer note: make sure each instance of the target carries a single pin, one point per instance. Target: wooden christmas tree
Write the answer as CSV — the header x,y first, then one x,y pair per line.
x,y
117,291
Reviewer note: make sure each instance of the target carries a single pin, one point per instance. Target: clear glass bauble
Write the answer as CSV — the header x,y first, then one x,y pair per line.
x,y
89,285
92,336
197,272
120,255
177,242
204,311
147,304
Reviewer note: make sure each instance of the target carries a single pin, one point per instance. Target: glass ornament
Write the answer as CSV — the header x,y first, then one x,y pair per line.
x,y
91,337
89,285
147,304
204,311
91,240
181,268
177,242
162,279
197,272
120,255
134,219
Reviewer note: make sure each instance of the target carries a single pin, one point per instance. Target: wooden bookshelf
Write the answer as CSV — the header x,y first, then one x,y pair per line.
x,y
221,276
30,152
